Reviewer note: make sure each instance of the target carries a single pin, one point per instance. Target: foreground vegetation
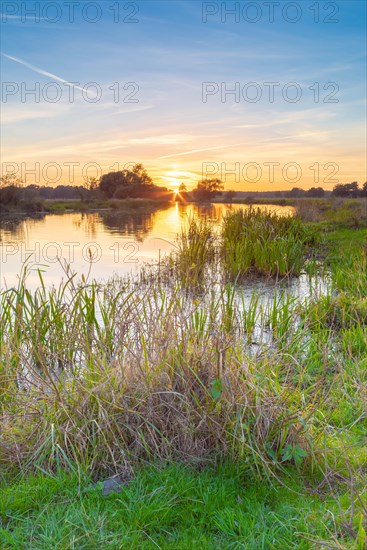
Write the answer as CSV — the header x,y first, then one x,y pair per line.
x,y
97,380
173,507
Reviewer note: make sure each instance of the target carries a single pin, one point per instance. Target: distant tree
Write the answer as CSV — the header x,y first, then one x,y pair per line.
x,y
229,195
207,189
125,182
347,190
10,180
140,172
90,183
339,190
296,192
10,189
316,192
182,195
88,188
364,189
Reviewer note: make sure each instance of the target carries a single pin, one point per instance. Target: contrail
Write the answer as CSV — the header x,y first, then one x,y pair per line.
x,y
201,150
44,73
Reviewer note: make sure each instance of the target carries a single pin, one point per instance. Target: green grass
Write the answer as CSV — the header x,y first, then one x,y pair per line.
x,y
195,252
169,507
251,243
264,243
114,204
350,213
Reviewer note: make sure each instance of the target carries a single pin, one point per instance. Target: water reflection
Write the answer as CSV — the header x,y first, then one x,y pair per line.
x,y
122,240
139,224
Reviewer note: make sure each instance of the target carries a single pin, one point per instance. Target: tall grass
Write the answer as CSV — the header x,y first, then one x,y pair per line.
x,y
345,212
196,250
104,376
251,242
263,243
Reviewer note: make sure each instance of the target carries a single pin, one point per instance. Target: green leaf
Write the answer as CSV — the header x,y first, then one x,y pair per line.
x,y
287,453
299,454
293,452
216,388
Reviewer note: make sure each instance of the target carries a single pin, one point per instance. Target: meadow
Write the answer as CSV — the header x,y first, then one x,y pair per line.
x,y
234,422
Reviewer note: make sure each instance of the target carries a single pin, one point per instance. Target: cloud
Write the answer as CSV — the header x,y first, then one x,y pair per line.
x,y
17,113
200,150
167,139
45,73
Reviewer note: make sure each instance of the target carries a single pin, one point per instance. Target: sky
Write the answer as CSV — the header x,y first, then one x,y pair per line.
x,y
263,95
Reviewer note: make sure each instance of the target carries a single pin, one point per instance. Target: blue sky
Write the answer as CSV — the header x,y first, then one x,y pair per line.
x,y
168,53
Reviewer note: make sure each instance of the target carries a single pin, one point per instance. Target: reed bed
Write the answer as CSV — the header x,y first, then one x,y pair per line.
x,y
264,243
251,243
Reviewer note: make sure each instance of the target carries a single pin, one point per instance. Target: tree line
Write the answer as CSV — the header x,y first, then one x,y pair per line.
x,y
136,183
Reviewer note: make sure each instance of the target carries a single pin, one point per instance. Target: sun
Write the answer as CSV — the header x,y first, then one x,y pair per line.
x,y
176,190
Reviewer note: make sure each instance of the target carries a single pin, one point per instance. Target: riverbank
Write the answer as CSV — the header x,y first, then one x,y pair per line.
x,y
59,206
331,209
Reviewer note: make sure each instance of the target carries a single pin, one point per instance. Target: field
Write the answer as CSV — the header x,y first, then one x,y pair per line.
x,y
234,421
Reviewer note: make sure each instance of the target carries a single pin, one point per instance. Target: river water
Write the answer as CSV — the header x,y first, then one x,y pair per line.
x,y
101,244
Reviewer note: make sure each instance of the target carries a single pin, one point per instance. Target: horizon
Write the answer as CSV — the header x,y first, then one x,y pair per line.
x,y
175,88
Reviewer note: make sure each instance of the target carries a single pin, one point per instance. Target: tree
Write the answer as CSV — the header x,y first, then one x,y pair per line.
x,y
90,183
182,195
208,189
142,175
10,180
10,189
347,190
88,188
229,195
364,189
125,183
317,192
296,192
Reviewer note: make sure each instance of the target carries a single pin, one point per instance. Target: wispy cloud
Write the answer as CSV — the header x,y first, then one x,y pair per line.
x,y
167,139
200,150
45,73
16,113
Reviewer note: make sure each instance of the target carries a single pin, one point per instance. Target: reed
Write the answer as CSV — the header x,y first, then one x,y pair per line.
x,y
263,243
195,252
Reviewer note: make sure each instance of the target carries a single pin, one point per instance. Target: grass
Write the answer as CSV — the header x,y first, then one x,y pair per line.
x,y
97,378
195,251
263,243
76,205
252,243
93,374
172,507
113,204
343,212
